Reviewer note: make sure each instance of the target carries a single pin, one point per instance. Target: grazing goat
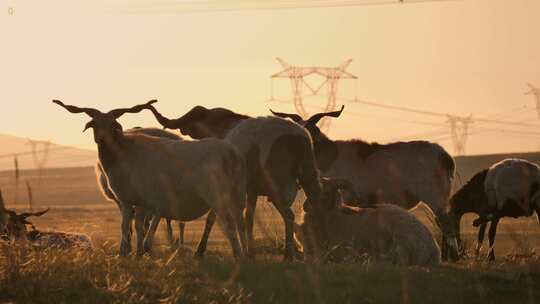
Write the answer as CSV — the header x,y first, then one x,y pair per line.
x,y
141,214
383,231
507,189
181,180
278,154
402,173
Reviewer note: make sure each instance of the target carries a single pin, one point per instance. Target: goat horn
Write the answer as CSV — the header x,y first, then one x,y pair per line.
x,y
294,117
40,213
73,109
316,117
164,121
136,109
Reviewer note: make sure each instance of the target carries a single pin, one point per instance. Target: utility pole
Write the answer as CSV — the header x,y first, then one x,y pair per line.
x,y
459,130
534,91
39,162
331,77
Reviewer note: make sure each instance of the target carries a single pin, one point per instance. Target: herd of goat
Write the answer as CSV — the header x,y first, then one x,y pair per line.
x,y
357,194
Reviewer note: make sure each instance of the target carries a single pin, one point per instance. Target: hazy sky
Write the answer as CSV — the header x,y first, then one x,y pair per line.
x,y
463,57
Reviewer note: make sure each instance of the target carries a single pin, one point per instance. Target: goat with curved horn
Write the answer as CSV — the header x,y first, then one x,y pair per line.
x,y
278,153
391,173
175,179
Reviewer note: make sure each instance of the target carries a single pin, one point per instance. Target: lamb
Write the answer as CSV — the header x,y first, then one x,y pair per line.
x,y
507,189
278,154
16,230
181,180
141,214
402,173
383,232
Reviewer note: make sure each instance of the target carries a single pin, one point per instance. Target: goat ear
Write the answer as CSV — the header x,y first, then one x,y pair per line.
x,y
26,222
88,125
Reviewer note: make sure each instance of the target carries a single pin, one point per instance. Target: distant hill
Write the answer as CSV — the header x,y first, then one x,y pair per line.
x,y
467,166
58,156
69,178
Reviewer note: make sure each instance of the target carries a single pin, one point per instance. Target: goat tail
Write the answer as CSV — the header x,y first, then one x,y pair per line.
x,y
309,173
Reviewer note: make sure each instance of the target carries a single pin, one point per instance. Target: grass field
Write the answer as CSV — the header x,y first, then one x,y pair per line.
x,y
54,276
29,276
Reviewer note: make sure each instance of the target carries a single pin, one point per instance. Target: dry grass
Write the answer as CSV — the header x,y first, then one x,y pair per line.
x,y
53,276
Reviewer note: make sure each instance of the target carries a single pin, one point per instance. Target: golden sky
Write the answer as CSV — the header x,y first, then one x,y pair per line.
x,y
459,57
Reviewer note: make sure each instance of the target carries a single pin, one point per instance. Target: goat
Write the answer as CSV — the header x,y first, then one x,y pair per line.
x,y
278,154
507,189
16,230
402,173
141,214
383,231
181,180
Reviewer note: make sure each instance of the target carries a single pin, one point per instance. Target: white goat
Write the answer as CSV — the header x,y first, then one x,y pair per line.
x,y
278,153
384,232
140,213
402,173
513,180
180,180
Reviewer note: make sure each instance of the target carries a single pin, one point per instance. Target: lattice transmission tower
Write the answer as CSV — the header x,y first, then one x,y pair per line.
x,y
459,130
331,77
534,91
40,154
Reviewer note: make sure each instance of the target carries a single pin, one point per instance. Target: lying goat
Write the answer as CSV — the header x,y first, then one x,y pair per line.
x,y
16,229
386,232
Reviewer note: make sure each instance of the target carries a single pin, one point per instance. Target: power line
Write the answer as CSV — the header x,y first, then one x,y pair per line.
x,y
228,5
11,155
437,114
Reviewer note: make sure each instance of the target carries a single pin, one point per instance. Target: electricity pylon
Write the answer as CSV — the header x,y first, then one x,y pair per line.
x,y
459,129
536,93
331,75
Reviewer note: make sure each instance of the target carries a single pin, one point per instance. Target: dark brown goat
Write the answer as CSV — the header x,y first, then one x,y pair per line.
x,y
402,173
